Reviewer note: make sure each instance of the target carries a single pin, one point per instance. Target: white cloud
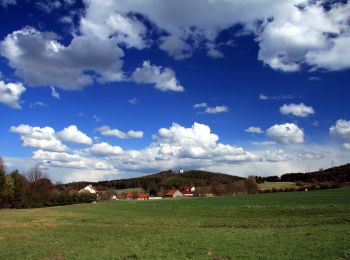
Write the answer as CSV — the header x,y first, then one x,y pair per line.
x,y
10,94
211,110
278,97
216,109
341,130
275,156
299,110
54,93
107,131
37,137
306,154
37,104
200,105
73,135
287,133
41,60
105,149
5,3
133,101
163,79
59,159
254,130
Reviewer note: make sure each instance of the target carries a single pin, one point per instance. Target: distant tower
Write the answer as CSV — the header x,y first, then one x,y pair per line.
x,y
181,170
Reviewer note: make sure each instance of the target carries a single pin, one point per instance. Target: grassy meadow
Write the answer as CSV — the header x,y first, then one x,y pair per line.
x,y
277,185
288,225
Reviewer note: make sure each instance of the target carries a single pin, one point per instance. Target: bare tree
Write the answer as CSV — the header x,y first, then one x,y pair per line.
x,y
35,173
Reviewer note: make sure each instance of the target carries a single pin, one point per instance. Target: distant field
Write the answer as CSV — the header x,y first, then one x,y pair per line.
x,y
276,185
288,225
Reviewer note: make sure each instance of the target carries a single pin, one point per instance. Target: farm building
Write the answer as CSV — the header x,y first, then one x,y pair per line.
x,y
187,191
174,193
88,189
142,196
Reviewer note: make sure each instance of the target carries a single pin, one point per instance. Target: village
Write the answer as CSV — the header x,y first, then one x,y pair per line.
x,y
186,192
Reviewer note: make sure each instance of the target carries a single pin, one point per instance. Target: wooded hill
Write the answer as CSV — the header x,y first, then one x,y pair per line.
x,y
163,180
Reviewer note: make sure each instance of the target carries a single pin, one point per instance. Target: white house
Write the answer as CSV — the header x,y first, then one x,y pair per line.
x,y
88,189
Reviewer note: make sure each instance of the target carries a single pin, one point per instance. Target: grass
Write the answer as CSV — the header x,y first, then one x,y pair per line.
x,y
288,225
276,185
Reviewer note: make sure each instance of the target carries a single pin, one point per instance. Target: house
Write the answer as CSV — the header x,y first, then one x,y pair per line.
x,y
187,191
174,193
142,196
88,189
121,196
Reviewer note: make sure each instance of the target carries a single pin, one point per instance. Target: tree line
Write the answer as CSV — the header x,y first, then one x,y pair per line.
x,y
335,175
34,189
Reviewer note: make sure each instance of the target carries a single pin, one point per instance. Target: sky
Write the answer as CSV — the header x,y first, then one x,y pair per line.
x,y
97,90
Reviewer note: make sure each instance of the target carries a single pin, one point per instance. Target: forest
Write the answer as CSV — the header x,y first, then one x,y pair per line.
x,y
33,190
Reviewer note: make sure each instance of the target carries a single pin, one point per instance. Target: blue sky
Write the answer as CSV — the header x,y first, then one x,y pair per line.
x,y
97,90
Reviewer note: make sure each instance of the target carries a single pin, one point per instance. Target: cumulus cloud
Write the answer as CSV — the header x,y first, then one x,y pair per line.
x,y
10,94
107,131
254,130
42,60
299,110
291,33
105,149
287,133
341,130
40,138
163,79
211,110
73,135
66,160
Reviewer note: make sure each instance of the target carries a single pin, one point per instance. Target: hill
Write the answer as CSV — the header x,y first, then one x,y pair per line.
x,y
163,180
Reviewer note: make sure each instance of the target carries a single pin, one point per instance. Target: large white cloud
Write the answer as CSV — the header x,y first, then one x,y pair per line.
x,y
10,94
299,110
163,79
289,33
287,133
61,159
73,135
40,138
42,60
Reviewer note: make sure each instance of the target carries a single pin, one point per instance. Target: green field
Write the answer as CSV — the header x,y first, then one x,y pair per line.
x,y
288,225
277,185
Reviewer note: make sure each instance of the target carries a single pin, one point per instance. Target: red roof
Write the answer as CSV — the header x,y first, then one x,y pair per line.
x,y
143,196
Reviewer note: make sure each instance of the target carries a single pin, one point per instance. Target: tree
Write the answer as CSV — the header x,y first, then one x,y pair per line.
x,y
9,189
34,174
2,182
20,190
251,185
